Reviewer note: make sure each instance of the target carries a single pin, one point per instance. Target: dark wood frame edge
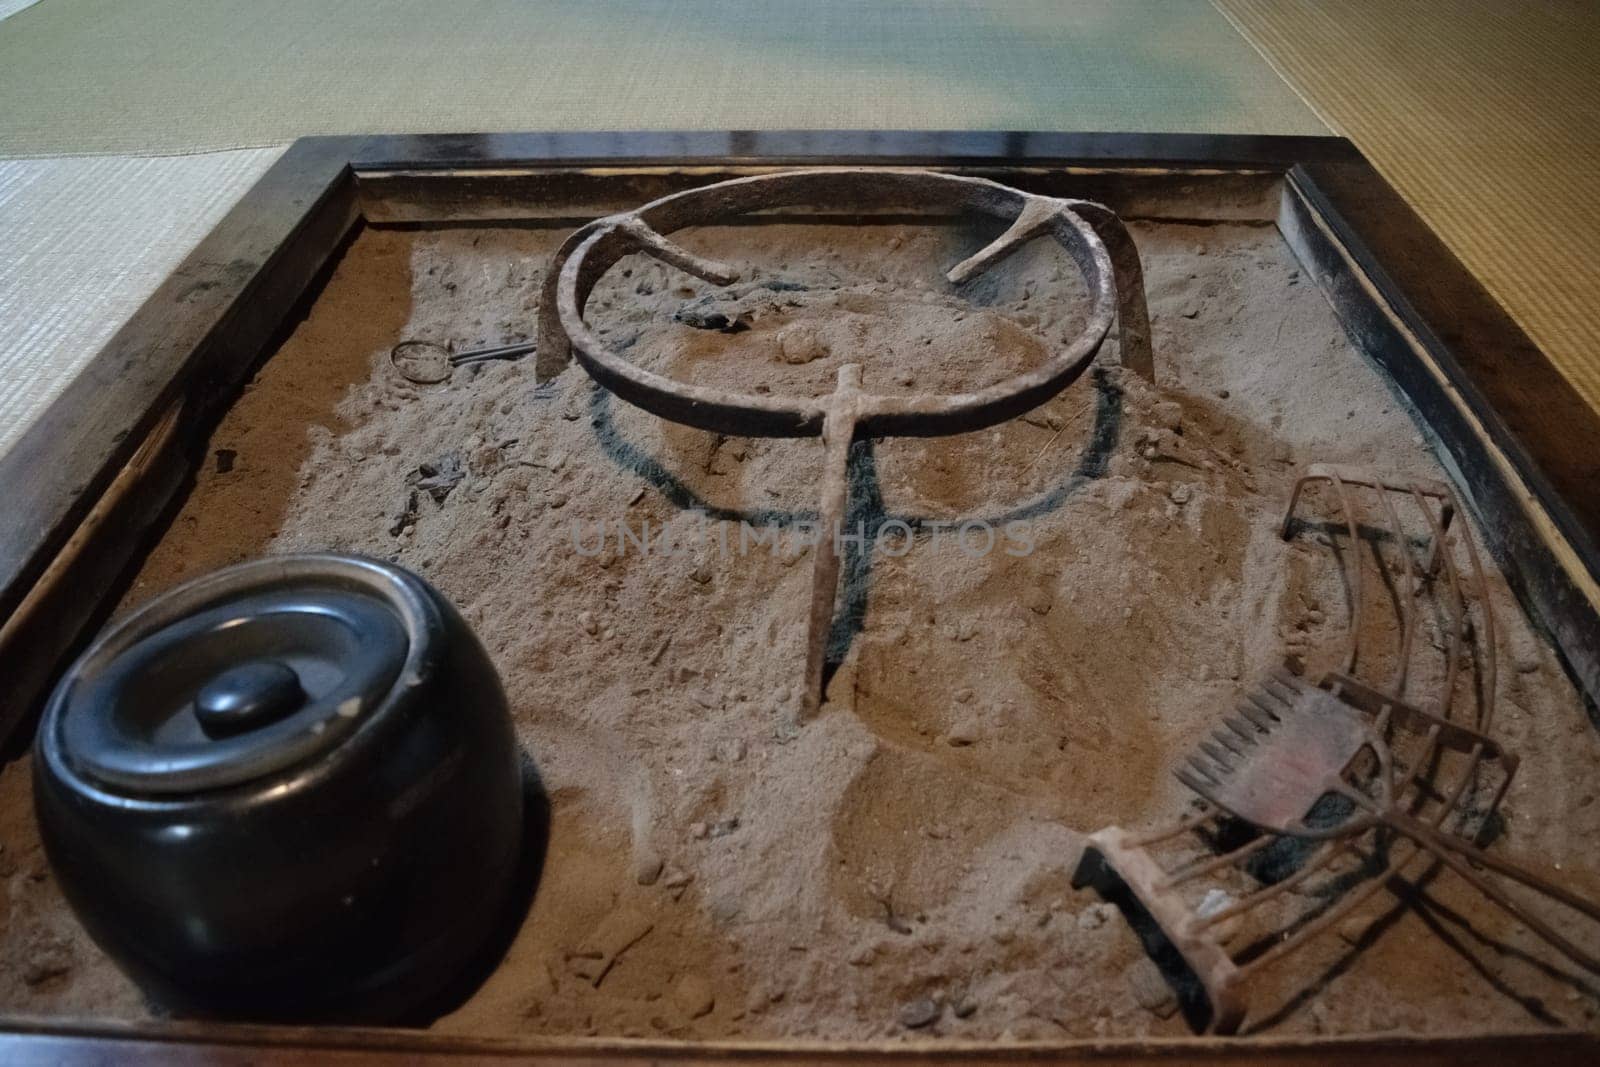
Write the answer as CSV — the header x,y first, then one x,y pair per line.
x,y
1475,441
45,1041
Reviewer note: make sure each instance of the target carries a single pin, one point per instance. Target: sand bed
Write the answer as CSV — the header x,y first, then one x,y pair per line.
x,y
900,865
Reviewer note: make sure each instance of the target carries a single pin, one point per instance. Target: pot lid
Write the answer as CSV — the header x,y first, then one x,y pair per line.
x,y
239,675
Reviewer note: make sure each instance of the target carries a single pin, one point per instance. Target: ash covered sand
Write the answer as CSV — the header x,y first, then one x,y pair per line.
x,y
901,865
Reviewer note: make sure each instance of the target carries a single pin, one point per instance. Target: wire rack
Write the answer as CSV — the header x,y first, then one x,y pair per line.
x,y
1225,902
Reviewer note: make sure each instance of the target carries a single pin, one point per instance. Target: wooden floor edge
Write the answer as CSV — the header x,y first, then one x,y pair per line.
x,y
24,1037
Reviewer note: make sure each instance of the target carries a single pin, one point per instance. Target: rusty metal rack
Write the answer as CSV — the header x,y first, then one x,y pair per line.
x,y
1232,902
1092,235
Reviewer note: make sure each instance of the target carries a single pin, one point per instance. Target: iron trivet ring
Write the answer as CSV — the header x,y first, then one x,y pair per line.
x,y
1091,233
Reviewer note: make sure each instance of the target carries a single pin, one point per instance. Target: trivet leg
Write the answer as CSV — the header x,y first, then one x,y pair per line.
x,y
838,431
554,349
1133,313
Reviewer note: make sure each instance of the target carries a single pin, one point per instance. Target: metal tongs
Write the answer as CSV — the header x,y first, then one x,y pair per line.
x,y
427,363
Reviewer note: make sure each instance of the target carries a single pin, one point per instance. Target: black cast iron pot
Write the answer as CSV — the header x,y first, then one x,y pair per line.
x,y
286,790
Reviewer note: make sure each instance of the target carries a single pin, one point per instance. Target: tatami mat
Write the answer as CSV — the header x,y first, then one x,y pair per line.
x,y
1486,116
169,76
82,243
11,7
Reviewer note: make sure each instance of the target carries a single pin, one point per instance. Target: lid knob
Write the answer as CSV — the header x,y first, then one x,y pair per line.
x,y
247,696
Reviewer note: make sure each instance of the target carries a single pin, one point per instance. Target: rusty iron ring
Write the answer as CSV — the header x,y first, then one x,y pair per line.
x,y
1083,228
605,241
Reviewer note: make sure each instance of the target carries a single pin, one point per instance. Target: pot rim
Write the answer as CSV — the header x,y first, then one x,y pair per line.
x,y
397,590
